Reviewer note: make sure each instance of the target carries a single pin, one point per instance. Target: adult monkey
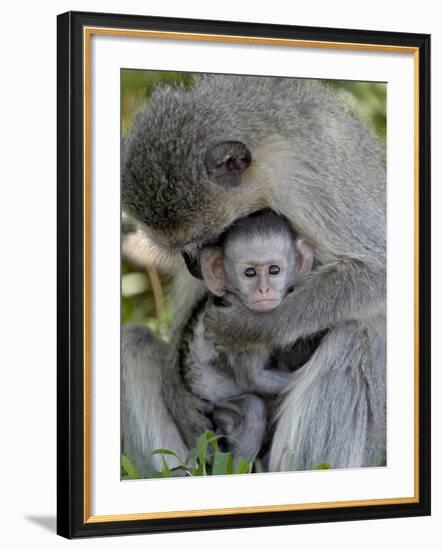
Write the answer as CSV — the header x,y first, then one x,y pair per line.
x,y
196,160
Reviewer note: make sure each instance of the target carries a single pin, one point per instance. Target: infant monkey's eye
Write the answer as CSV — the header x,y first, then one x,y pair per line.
x,y
250,272
274,270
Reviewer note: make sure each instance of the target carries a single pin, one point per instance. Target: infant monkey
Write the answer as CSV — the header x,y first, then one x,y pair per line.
x,y
260,260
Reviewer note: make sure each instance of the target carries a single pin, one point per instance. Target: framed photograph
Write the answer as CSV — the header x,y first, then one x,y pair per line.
x,y
243,274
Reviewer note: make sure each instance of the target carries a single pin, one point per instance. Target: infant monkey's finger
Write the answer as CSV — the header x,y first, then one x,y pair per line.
x,y
204,406
232,406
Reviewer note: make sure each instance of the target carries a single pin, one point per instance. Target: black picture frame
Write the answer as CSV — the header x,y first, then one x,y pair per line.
x,y
72,521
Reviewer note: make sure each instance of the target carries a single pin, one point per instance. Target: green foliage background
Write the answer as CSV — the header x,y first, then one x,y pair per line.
x,y
366,100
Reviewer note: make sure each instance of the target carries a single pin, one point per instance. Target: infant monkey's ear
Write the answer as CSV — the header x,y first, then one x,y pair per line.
x,y
305,257
212,270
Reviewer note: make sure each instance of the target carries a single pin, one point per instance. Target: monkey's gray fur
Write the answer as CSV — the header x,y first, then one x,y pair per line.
x,y
213,373
216,373
147,425
312,162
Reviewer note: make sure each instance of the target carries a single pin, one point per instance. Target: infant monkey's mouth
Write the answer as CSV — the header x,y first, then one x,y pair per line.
x,y
264,305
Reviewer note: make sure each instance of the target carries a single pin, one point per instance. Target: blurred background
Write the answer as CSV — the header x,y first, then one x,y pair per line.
x,y
145,280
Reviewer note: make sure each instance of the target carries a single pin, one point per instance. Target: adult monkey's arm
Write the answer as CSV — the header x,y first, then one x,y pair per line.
x,y
344,290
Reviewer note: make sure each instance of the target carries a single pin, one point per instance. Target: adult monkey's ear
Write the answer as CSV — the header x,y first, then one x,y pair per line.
x,y
212,270
226,161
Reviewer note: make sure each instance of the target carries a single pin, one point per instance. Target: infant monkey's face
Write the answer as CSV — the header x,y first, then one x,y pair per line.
x,y
259,271
259,266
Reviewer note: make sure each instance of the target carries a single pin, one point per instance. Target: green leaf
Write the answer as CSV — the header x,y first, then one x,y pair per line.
x,y
203,439
259,468
322,466
129,467
201,445
167,452
191,458
242,466
127,309
166,470
222,463
163,452
213,440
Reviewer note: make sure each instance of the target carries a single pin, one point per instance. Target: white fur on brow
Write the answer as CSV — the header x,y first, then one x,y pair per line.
x,y
263,247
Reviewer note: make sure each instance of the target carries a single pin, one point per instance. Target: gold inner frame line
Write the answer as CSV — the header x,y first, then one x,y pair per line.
x,y
87,33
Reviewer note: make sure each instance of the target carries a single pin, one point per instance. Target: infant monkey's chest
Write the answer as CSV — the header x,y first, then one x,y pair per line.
x,y
204,349
208,370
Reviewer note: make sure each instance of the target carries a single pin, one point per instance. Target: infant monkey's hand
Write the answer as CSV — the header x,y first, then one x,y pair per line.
x,y
194,422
